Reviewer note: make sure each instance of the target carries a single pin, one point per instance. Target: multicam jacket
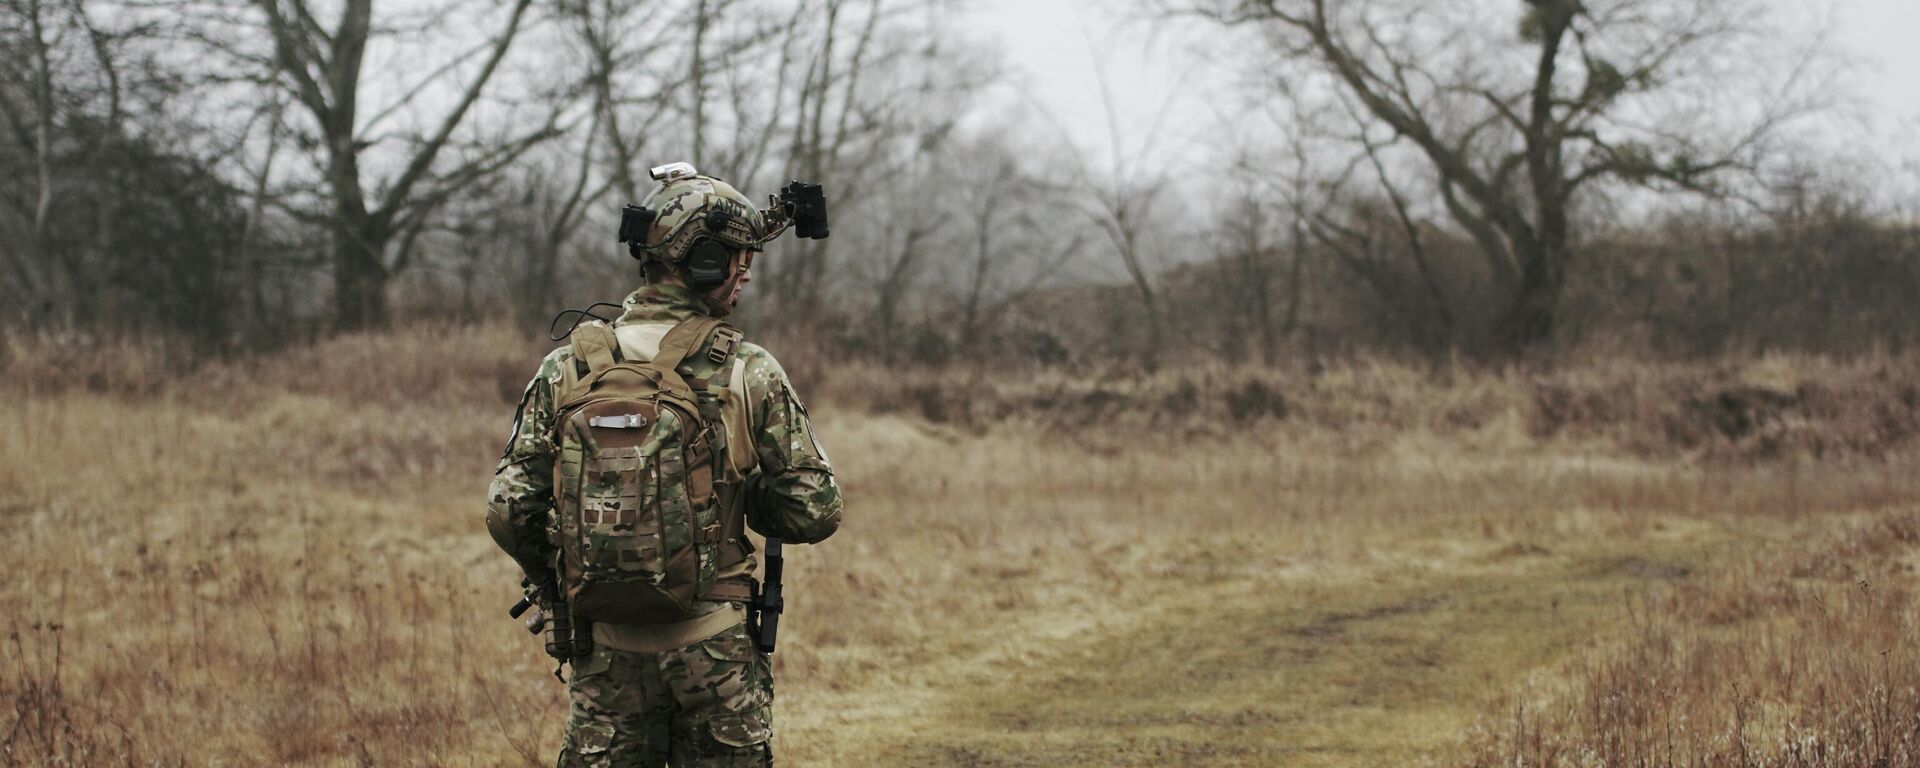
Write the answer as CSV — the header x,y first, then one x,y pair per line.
x,y
789,492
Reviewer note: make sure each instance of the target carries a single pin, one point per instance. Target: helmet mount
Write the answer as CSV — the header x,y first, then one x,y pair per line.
x,y
689,208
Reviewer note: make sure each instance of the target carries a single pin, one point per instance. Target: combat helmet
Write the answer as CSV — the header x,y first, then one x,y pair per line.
x,y
692,224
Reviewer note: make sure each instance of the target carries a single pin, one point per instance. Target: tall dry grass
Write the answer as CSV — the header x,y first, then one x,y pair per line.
x,y
1807,661
280,560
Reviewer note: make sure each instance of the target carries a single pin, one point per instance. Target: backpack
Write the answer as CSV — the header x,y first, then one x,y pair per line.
x,y
644,494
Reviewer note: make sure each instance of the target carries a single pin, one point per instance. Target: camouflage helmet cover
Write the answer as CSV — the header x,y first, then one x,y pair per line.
x,y
689,207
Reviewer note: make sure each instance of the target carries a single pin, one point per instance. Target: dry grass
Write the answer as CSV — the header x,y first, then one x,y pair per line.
x,y
1812,659
281,560
1770,407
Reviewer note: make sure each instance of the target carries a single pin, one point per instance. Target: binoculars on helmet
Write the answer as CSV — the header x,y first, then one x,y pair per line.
x,y
805,204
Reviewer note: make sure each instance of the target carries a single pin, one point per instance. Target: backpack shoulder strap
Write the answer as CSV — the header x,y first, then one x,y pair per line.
x,y
680,341
595,344
690,335
594,349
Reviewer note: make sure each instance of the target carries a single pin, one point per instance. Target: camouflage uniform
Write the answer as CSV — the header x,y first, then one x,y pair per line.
x,y
699,693
708,704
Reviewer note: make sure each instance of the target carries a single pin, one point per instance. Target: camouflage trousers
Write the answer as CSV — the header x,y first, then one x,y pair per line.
x,y
708,705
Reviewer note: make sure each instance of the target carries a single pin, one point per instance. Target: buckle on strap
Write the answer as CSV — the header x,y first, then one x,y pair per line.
x,y
724,342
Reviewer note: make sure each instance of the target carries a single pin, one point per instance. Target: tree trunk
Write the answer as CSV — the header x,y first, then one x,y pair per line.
x,y
893,289
536,287
1259,280
1530,318
359,272
1296,280
1150,357
982,261
359,283
697,84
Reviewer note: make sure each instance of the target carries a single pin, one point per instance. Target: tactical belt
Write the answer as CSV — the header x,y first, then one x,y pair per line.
x,y
658,638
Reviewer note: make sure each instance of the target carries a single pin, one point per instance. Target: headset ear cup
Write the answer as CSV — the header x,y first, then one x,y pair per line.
x,y
707,263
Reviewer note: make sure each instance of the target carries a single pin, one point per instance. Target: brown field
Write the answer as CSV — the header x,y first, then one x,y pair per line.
x,y
281,561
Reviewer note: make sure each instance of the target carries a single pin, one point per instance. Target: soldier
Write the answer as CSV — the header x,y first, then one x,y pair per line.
x,y
693,690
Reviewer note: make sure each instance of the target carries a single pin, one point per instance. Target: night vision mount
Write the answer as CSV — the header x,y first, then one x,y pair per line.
x,y
802,205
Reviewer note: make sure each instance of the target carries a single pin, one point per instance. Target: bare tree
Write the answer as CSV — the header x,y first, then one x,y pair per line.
x,y
1121,210
1375,234
253,235
1124,196
1248,229
878,85
33,127
635,71
900,268
63,93
1514,126
830,84
541,216
120,195
992,182
376,214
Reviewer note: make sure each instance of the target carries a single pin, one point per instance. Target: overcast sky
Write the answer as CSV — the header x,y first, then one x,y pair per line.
x,y
1052,46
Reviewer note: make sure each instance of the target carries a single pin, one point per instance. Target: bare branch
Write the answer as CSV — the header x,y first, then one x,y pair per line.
x,y
423,158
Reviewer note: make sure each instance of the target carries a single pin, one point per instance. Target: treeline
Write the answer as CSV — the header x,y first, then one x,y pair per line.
x,y
241,173
1694,285
335,165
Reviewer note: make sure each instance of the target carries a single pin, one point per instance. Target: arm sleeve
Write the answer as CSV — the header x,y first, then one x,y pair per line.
x,y
792,495
520,500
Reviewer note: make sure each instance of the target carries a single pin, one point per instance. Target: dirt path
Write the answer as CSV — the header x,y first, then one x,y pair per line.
x,y
1382,663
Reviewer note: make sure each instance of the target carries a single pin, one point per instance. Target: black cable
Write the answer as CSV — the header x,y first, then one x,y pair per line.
x,y
583,315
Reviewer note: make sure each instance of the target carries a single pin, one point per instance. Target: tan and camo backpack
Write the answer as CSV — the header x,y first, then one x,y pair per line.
x,y
643,490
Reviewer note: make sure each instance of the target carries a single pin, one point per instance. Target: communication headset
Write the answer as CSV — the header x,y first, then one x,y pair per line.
x,y
709,263
707,257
